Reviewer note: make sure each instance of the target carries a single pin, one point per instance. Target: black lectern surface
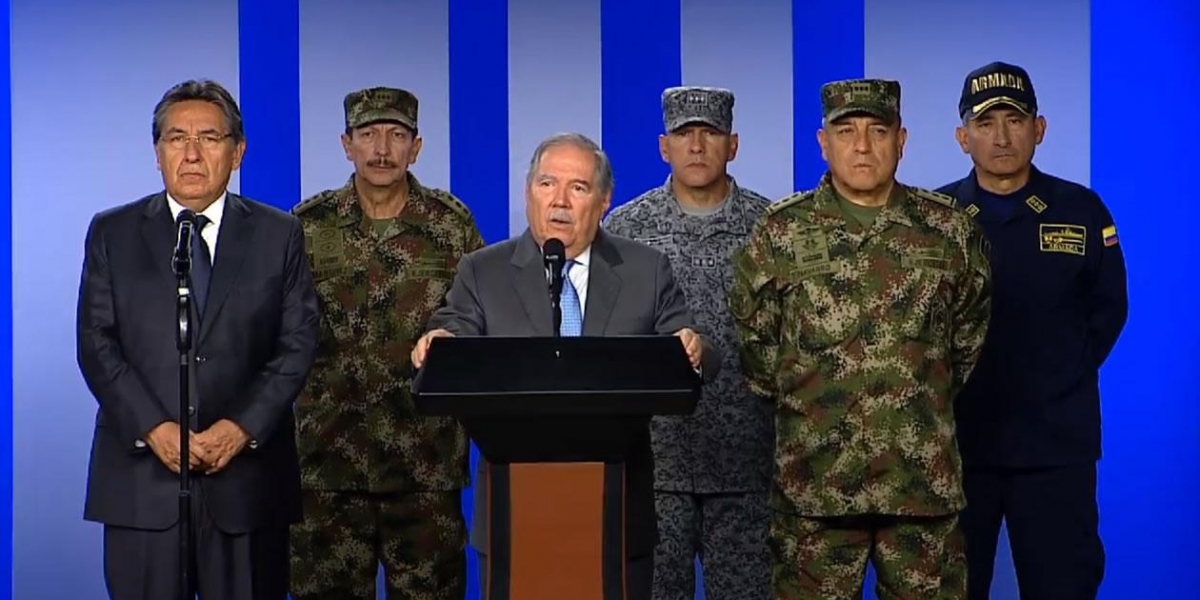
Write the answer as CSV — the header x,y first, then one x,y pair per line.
x,y
541,399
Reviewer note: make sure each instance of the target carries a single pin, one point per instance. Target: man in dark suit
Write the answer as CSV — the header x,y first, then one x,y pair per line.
x,y
616,286
256,323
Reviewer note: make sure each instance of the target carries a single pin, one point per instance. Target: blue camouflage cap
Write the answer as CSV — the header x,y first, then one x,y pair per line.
x,y
696,104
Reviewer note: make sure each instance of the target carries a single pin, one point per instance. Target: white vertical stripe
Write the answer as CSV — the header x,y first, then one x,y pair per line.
x,y
747,47
378,43
553,82
931,45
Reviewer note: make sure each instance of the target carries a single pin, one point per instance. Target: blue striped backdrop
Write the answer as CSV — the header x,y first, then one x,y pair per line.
x,y
494,77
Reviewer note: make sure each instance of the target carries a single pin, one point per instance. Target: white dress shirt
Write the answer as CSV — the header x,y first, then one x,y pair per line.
x,y
579,277
214,212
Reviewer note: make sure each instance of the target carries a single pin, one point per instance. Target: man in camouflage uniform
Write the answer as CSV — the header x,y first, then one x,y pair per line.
x,y
711,469
380,484
861,307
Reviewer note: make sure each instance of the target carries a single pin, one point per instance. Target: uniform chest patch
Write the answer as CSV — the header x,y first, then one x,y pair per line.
x,y
328,253
430,268
925,258
1068,239
812,254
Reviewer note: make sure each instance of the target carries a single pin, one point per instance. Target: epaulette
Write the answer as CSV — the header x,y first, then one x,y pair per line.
x,y
454,204
792,200
311,202
933,196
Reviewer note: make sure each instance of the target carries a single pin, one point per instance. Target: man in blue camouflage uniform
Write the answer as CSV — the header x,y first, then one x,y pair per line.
x,y
712,469
1029,417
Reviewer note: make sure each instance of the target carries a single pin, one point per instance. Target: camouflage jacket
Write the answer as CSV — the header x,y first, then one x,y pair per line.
x,y
725,446
863,338
356,425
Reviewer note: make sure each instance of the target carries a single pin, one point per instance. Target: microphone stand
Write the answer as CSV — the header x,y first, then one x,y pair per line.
x,y
183,271
556,283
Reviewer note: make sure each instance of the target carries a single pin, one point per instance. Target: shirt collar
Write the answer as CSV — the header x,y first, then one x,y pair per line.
x,y
585,257
724,207
214,212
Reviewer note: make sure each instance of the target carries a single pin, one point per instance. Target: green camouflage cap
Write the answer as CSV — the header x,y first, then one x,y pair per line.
x,y
381,104
694,104
878,97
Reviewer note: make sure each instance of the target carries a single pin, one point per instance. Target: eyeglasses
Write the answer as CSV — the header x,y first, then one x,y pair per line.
x,y
208,141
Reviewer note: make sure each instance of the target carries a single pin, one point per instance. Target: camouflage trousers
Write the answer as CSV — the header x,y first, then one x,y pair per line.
x,y
418,537
727,531
915,558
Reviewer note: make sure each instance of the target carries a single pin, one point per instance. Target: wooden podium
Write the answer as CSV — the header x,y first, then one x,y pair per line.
x,y
557,419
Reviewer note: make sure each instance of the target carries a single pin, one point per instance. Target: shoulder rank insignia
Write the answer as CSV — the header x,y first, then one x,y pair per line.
x,y
1036,204
454,204
933,196
310,203
792,200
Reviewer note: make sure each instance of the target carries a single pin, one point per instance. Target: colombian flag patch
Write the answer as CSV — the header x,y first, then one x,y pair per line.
x,y
1110,235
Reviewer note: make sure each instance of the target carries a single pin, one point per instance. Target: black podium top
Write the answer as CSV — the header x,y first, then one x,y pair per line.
x,y
480,377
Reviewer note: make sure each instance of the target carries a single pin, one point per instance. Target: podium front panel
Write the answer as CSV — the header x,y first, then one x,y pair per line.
x,y
556,531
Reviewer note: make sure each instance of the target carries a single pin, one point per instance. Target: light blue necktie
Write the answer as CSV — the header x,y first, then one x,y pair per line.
x,y
572,314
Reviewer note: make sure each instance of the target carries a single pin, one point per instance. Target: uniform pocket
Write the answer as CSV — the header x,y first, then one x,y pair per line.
x,y
817,309
925,314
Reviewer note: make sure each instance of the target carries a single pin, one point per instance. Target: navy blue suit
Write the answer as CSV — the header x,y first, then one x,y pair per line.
x,y
252,353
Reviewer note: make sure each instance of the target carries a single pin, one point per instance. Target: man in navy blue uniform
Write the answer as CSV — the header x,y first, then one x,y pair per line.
x,y
1029,416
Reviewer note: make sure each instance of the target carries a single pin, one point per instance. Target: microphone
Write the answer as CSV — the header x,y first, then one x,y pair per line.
x,y
181,259
554,257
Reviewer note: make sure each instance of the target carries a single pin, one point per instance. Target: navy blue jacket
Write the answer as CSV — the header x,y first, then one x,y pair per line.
x,y
1059,303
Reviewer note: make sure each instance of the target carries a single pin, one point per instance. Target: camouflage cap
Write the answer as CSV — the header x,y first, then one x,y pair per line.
x,y
993,84
694,104
381,104
878,97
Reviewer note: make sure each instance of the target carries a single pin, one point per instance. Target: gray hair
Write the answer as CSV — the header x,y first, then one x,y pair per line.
x,y
603,176
205,90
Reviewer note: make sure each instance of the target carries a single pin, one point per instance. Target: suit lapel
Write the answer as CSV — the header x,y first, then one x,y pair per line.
x,y
237,230
604,284
158,232
529,283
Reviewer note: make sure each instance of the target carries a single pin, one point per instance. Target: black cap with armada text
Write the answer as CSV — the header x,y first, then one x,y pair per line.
x,y
994,84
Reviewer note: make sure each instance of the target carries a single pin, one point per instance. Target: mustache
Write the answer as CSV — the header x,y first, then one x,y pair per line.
x,y
382,162
561,215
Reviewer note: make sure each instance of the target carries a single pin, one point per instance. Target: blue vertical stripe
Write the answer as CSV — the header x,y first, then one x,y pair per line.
x,y
1145,65
479,111
479,144
269,78
6,305
827,44
640,56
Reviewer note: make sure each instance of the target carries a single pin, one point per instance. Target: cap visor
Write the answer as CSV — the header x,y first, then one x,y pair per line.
x,y
858,110
376,116
990,103
680,123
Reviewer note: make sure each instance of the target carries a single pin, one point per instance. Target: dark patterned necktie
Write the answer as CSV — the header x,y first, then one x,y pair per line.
x,y
201,265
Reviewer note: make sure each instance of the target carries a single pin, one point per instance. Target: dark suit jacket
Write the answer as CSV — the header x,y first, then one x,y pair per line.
x,y
501,290
251,355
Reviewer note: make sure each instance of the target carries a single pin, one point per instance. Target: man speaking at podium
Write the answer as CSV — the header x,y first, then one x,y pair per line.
x,y
612,286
